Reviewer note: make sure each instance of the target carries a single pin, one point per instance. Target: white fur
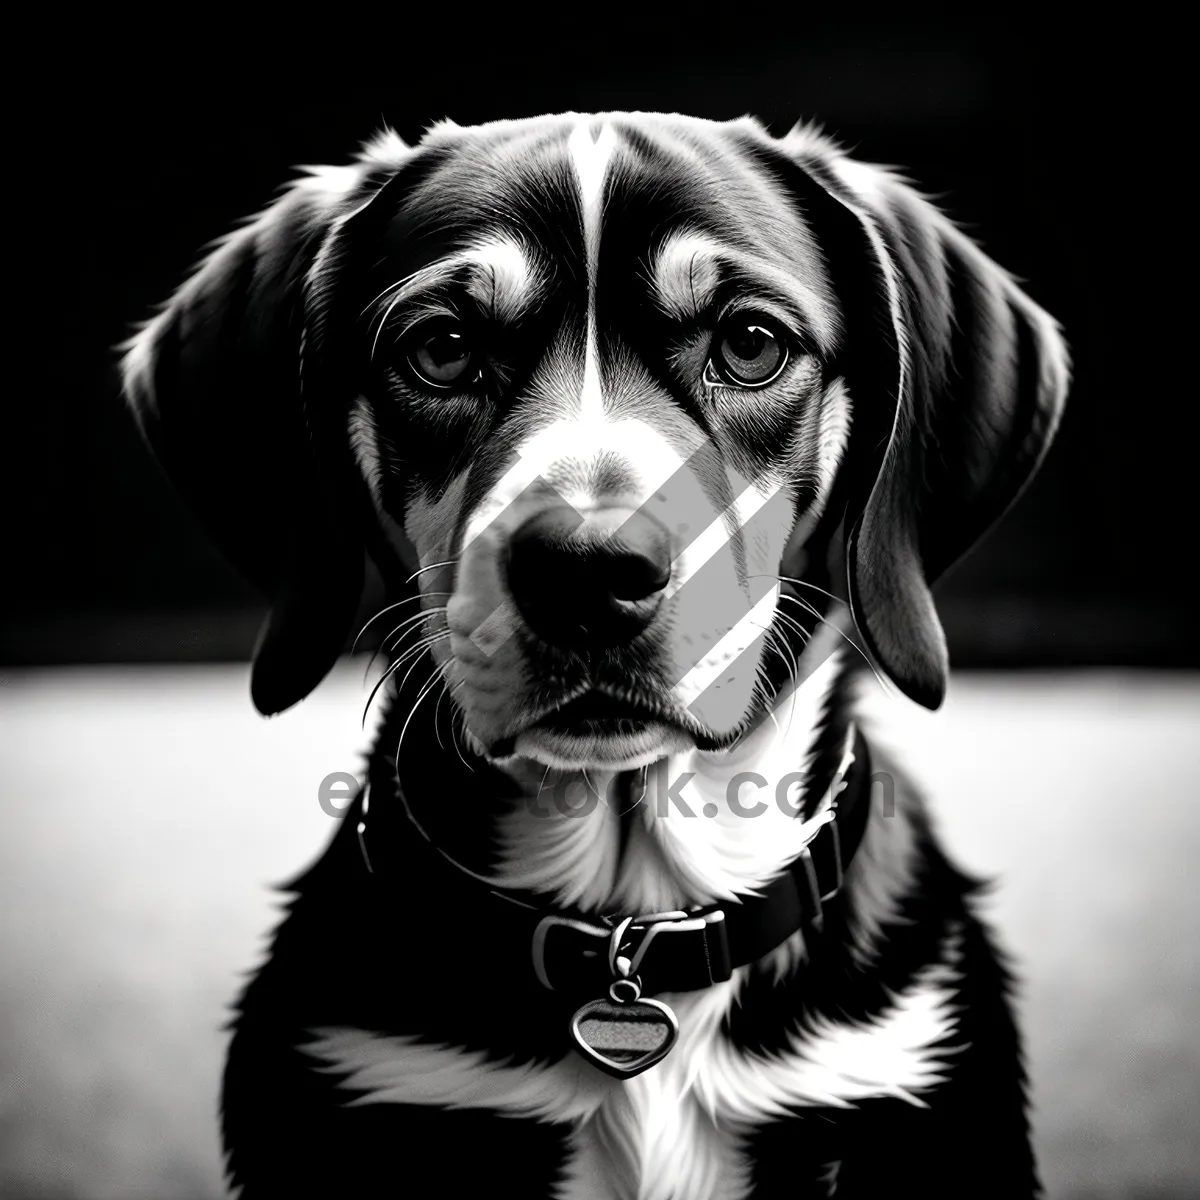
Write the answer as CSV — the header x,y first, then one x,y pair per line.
x,y
671,859
364,444
502,280
677,1131
686,273
590,160
509,280
591,395
833,435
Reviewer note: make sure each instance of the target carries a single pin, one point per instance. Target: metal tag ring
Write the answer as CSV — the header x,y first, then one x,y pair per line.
x,y
625,991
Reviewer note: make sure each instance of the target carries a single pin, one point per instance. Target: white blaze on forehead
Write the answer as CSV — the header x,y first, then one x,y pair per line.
x,y
591,395
590,158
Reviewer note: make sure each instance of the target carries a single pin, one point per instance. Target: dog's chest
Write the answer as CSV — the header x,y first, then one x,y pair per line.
x,y
667,1134
662,1135
680,1130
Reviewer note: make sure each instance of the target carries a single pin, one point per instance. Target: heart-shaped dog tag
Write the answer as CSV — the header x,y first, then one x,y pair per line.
x,y
624,1039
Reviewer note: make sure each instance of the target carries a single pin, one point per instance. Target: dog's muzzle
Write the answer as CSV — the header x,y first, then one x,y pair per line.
x,y
580,584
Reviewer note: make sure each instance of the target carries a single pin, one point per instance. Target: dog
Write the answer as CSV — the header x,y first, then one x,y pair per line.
x,y
658,432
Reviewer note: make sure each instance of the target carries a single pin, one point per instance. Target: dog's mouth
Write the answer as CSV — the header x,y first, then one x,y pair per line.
x,y
600,714
601,729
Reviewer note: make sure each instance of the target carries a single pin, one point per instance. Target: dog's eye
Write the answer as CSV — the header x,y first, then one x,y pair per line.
x,y
441,355
748,351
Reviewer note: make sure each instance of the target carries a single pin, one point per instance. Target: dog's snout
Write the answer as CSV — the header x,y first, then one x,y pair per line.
x,y
581,583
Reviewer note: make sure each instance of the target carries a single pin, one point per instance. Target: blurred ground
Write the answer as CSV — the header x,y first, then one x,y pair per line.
x,y
146,809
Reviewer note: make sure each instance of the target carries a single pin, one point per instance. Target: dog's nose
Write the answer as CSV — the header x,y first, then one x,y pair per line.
x,y
581,586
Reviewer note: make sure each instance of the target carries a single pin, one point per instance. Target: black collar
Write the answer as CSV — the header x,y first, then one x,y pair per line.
x,y
578,954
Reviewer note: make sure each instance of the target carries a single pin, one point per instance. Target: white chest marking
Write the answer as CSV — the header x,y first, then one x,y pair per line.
x,y
677,1131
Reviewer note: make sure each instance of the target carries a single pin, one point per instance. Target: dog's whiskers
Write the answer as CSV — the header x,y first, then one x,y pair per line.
x,y
381,613
427,639
803,634
426,688
804,583
454,735
413,620
437,708
392,607
413,652
804,604
791,655
396,645
780,648
433,640
450,562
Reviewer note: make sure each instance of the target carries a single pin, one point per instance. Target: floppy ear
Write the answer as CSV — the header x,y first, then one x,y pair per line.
x,y
230,386
958,382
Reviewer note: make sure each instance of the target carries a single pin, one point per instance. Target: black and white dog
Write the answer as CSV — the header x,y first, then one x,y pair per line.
x,y
659,431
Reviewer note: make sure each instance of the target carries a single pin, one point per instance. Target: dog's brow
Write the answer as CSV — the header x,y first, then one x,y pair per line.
x,y
685,273
501,276
690,267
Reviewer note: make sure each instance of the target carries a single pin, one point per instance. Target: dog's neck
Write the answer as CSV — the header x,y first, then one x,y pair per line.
x,y
694,828
618,857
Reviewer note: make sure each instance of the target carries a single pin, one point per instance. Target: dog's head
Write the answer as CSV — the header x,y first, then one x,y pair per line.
x,y
623,383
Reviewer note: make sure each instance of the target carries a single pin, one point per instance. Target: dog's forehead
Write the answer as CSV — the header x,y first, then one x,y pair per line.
x,y
566,185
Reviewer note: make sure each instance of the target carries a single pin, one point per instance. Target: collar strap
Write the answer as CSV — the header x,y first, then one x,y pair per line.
x,y
686,951
683,952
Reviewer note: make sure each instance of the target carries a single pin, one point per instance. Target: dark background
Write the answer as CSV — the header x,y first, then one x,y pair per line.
x,y
137,158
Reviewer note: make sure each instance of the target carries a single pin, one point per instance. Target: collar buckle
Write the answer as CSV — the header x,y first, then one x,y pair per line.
x,y
632,938
697,942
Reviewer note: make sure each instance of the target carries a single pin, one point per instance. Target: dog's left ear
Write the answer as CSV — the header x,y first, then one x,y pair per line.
x,y
957,379
235,387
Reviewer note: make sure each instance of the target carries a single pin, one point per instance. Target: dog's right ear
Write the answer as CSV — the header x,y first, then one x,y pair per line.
x,y
958,382
227,387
